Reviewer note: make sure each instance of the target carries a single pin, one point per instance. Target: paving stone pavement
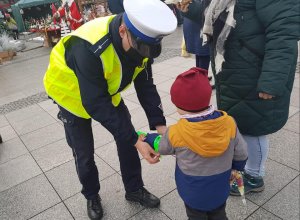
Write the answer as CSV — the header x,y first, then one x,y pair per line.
x,y
37,172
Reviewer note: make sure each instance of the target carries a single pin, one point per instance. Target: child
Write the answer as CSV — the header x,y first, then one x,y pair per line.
x,y
207,145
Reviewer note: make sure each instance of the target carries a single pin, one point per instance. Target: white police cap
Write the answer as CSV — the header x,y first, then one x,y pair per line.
x,y
149,20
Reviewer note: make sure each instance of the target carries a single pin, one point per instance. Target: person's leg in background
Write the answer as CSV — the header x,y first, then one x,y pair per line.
x,y
79,137
258,147
202,61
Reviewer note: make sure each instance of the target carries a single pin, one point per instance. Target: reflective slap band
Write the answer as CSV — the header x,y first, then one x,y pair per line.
x,y
156,143
138,34
141,133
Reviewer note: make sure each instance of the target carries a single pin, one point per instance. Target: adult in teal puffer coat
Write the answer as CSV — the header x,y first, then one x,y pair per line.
x,y
254,68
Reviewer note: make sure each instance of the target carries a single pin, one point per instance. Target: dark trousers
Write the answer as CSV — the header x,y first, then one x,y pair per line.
x,y
202,61
216,214
80,138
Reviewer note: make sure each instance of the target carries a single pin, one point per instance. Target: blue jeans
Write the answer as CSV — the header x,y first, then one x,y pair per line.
x,y
258,147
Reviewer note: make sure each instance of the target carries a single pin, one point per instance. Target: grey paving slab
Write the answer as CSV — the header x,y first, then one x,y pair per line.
x,y
113,201
3,121
158,78
285,204
138,118
297,82
43,136
174,71
295,97
53,113
65,180
172,205
128,91
7,133
22,75
11,149
56,212
33,123
10,97
133,97
24,113
159,178
53,155
262,214
27,199
170,121
168,107
150,214
109,154
48,105
17,170
131,105
293,123
284,148
158,67
101,136
277,177
165,86
293,110
236,210
181,62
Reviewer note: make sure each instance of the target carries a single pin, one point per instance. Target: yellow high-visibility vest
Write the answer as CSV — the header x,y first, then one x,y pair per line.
x,y
61,83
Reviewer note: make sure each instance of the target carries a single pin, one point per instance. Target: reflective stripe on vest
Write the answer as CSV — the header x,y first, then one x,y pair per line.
x,y
61,83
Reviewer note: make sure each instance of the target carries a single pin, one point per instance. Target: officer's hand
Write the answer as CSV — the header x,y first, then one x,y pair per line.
x,y
147,152
161,129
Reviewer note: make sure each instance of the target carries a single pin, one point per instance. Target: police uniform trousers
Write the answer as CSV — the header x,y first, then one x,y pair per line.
x,y
79,136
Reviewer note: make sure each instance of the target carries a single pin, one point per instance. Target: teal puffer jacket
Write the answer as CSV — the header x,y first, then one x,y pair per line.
x,y
260,56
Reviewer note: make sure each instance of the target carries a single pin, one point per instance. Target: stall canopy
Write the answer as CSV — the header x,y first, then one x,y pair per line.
x,y
26,4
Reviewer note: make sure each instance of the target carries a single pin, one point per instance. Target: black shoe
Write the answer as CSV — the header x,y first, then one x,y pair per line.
x,y
143,197
94,208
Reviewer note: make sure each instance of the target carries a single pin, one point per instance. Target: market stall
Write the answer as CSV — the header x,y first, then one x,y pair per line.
x,y
91,9
28,13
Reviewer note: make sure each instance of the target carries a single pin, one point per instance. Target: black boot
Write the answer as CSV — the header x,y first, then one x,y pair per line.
x,y
94,208
143,197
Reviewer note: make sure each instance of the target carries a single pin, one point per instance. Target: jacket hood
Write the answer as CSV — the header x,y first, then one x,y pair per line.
x,y
208,138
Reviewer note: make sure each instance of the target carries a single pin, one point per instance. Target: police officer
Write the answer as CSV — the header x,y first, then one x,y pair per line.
x,y
87,71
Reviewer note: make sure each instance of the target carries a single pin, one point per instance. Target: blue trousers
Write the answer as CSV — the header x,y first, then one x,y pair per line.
x,y
258,147
202,61
79,136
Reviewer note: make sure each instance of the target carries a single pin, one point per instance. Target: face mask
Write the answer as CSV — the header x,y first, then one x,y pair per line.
x,y
133,55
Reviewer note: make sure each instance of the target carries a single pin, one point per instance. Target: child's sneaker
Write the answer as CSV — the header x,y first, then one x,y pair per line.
x,y
251,184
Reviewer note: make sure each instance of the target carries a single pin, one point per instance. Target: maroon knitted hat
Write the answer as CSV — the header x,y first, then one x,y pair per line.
x,y
191,90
